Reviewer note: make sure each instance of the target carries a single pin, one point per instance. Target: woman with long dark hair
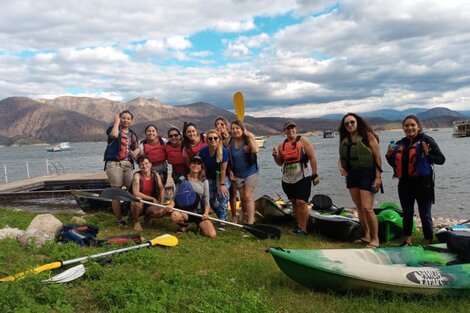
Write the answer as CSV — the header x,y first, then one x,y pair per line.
x,y
360,162
192,141
412,159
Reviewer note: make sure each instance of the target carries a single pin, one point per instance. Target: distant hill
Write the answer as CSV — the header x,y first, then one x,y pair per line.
x,y
26,121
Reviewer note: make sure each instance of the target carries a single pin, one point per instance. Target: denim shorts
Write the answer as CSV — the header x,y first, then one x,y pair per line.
x,y
362,180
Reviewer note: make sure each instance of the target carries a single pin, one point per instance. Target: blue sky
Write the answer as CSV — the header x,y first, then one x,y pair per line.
x,y
289,58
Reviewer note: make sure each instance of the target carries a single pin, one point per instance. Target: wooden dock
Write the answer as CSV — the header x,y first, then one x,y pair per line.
x,y
52,186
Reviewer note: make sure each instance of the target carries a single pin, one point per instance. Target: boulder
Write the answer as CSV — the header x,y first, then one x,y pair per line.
x,y
77,220
42,228
9,232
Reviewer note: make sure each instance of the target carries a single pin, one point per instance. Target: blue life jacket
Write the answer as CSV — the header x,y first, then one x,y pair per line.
x,y
114,145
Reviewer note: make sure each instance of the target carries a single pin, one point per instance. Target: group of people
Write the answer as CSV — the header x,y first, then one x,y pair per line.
x,y
224,161
217,165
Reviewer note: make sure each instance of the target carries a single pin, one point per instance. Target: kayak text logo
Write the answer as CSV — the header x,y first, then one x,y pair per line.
x,y
429,278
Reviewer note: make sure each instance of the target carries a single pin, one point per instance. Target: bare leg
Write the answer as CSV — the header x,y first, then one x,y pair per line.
x,y
301,213
367,201
233,201
356,198
136,210
208,229
116,205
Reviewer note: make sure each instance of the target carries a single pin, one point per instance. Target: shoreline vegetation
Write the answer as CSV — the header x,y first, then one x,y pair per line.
x,y
231,273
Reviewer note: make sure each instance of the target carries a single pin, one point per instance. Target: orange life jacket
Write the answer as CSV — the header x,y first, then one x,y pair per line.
x,y
174,155
155,152
418,163
293,153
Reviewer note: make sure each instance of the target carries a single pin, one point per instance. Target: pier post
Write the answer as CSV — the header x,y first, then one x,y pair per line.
x,y
6,176
27,169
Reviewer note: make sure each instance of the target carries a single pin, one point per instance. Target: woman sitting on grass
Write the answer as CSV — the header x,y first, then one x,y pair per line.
x,y
201,186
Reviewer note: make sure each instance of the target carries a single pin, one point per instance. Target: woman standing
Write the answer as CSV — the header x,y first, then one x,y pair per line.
x,y
215,157
119,156
360,162
221,124
412,159
243,150
154,147
192,142
201,187
174,154
294,155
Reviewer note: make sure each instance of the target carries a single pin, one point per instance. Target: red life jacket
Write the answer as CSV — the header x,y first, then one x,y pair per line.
x,y
194,150
174,155
123,147
155,152
293,152
418,163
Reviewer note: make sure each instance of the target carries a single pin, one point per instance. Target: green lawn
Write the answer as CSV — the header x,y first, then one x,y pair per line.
x,y
231,273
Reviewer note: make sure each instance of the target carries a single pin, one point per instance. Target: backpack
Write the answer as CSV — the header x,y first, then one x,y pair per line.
x,y
84,235
186,198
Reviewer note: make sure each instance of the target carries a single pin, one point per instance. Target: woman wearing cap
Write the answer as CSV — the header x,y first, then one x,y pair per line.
x,y
119,156
215,157
243,149
360,163
221,124
192,141
154,147
174,154
295,155
201,187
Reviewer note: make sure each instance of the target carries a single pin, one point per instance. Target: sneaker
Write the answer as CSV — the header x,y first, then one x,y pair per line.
x,y
298,231
221,227
405,244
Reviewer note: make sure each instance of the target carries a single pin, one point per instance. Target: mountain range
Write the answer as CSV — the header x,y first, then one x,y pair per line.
x,y
27,121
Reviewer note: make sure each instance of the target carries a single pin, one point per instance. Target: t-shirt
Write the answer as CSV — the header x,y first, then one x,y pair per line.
x,y
240,160
210,163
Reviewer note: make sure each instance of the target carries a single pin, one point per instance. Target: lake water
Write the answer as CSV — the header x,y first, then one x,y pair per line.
x,y
452,178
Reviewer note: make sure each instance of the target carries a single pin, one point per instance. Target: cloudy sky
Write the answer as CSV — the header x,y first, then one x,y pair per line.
x,y
295,58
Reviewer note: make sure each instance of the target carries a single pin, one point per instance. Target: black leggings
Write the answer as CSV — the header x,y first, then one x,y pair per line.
x,y
421,191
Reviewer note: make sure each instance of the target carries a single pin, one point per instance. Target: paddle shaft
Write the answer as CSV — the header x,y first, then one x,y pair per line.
x,y
190,213
59,264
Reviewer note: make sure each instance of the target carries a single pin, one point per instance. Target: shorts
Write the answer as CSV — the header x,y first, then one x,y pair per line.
x,y
194,219
119,173
362,180
250,182
299,190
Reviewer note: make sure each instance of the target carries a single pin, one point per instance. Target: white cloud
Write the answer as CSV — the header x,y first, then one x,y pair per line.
x,y
234,26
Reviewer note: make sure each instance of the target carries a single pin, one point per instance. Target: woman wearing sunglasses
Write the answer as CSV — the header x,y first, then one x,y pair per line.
x,y
360,162
215,157
174,154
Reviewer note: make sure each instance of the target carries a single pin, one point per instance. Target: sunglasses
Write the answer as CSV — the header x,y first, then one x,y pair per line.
x,y
289,127
173,135
352,123
212,138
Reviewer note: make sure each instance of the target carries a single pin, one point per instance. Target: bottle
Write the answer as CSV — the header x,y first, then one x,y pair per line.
x,y
391,144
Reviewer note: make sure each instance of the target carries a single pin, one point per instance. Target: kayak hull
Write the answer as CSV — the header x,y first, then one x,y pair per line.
x,y
336,227
273,210
400,269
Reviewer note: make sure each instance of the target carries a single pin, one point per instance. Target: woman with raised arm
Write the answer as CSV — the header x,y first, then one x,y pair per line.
x,y
359,161
243,149
119,156
299,171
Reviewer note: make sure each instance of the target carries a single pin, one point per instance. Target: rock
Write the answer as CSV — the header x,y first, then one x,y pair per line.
x,y
9,232
42,228
77,220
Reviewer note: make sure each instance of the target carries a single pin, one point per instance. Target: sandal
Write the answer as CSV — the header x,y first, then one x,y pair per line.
x,y
361,240
373,245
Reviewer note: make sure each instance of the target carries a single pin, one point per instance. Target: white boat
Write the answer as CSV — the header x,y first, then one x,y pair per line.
x,y
461,128
260,140
328,134
63,146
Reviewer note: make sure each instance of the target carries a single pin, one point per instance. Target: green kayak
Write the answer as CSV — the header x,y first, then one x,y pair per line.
x,y
415,269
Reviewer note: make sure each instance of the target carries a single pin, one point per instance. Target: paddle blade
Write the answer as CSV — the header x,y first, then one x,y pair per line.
x,y
263,231
66,276
164,240
239,103
36,270
118,194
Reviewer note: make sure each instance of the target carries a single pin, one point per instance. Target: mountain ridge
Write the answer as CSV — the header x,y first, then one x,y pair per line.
x,y
72,119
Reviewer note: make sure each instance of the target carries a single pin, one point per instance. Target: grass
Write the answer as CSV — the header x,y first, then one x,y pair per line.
x,y
230,273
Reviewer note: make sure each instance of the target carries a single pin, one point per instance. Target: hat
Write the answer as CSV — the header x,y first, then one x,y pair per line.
x,y
289,123
196,158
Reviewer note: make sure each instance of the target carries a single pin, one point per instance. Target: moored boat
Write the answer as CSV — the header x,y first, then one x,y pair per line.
x,y
261,140
415,269
273,209
461,128
328,134
63,146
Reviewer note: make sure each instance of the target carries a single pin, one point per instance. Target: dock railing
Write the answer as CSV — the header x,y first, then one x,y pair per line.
x,y
51,168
